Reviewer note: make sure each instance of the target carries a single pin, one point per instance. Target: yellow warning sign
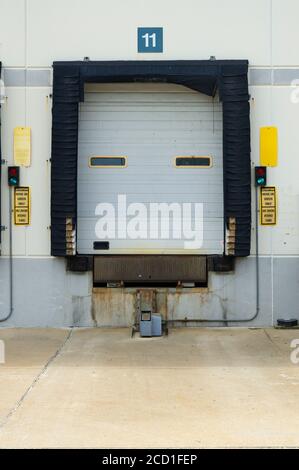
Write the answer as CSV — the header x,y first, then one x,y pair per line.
x,y
22,205
268,206
22,146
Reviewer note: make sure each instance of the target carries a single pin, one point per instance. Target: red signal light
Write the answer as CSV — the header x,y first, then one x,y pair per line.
x,y
13,171
261,171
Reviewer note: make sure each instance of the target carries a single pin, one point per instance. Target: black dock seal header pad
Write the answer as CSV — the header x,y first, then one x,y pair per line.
x,y
228,77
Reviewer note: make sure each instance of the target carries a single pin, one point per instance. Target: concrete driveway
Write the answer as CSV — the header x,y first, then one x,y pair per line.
x,y
195,388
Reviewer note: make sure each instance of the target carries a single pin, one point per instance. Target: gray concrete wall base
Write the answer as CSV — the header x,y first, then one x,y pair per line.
x,y
46,295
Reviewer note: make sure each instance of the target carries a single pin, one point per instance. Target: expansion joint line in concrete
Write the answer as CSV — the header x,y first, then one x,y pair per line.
x,y
271,340
36,380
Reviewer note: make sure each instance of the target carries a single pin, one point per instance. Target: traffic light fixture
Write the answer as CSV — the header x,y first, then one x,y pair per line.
x,y
13,176
260,176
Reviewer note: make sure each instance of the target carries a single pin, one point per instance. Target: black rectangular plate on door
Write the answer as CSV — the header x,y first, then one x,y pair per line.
x,y
101,245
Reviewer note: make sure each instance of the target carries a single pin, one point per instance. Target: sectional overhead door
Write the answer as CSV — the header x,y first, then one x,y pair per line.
x,y
150,171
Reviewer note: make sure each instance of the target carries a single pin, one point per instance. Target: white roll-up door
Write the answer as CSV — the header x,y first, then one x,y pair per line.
x,y
145,127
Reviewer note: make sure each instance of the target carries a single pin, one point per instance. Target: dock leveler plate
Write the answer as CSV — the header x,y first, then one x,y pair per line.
x,y
150,268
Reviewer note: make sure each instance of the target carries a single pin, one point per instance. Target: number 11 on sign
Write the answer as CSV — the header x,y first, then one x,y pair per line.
x,y
150,39
147,38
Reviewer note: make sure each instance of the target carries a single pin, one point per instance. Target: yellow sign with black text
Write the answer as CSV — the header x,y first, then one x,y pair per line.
x,y
22,205
268,206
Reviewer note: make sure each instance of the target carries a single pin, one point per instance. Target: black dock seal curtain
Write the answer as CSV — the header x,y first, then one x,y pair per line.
x,y
228,77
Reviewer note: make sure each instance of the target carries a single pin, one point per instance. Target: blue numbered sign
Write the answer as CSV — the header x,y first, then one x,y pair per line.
x,y
150,39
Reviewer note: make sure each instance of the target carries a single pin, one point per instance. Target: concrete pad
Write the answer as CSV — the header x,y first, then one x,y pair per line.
x,y
26,353
195,388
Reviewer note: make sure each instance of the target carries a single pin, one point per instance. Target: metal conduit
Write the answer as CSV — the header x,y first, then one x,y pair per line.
x,y
7,317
